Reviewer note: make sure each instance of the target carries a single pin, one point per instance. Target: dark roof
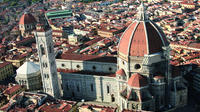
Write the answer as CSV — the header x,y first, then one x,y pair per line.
x,y
86,72
95,58
58,106
4,64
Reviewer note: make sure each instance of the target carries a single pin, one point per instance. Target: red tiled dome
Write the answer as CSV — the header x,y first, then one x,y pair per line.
x,y
121,72
137,80
27,18
140,38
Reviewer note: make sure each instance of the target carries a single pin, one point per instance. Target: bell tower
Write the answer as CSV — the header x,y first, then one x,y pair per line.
x,y
47,62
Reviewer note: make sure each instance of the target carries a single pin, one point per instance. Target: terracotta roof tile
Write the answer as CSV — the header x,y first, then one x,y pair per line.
x,y
27,19
120,72
142,37
123,45
138,46
58,106
12,89
137,80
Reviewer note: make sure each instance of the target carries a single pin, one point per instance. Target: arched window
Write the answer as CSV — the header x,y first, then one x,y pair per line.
x,y
91,87
52,63
47,76
108,89
50,49
63,65
123,62
78,89
42,50
113,97
137,66
77,66
180,99
20,82
45,64
94,68
67,86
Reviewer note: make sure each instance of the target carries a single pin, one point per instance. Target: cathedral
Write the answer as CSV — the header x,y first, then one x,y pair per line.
x,y
139,78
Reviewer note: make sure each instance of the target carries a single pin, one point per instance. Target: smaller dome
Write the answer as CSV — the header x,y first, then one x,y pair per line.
x,y
137,80
120,72
27,18
28,68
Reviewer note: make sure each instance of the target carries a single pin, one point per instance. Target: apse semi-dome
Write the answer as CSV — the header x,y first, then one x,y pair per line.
x,y
137,80
27,18
142,37
121,72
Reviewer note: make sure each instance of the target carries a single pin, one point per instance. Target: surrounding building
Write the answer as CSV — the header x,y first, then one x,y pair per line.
x,y
12,90
24,101
59,14
3,98
6,70
74,39
97,108
16,59
29,75
108,31
187,5
58,106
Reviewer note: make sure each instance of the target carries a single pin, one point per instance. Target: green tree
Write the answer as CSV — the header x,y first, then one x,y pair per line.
x,y
13,3
33,1
198,39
